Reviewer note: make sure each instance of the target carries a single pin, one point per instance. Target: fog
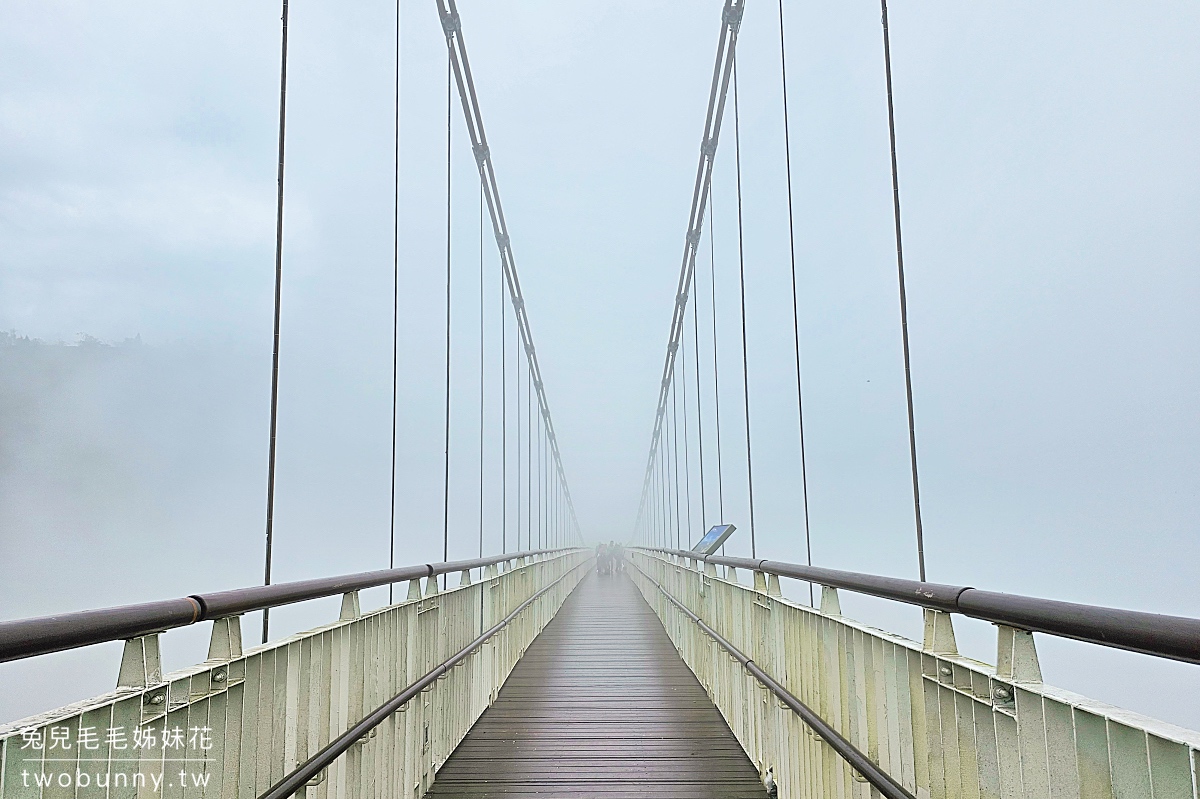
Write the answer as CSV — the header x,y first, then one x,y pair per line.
x,y
1050,189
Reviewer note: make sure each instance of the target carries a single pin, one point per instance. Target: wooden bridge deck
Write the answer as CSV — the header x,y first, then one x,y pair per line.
x,y
601,705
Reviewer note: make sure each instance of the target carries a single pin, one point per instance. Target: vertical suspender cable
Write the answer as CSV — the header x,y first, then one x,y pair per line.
x,y
503,419
278,287
712,276
660,500
482,353
517,368
787,152
668,519
545,449
652,504
542,475
546,481
395,299
687,458
675,452
544,487
912,428
529,459
737,148
446,454
699,409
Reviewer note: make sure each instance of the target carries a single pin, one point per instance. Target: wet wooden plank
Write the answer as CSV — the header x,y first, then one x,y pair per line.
x,y
601,705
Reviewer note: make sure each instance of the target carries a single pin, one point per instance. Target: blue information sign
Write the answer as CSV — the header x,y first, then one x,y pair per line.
x,y
713,539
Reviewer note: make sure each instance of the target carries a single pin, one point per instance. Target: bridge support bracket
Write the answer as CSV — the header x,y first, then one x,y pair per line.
x,y
831,605
1016,655
939,633
141,663
351,607
226,641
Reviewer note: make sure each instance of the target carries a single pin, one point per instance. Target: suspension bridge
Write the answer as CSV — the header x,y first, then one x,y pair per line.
x,y
660,668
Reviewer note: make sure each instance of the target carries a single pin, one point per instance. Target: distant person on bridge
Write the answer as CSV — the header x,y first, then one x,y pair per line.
x,y
602,563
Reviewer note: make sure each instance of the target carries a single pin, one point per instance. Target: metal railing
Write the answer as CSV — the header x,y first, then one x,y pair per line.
x,y
1174,637
25,638
242,722
933,723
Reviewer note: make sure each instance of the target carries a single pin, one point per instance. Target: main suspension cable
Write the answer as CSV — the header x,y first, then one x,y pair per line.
x,y
787,151
473,119
912,428
731,18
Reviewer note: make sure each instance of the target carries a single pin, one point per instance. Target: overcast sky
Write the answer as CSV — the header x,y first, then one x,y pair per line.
x,y
1049,179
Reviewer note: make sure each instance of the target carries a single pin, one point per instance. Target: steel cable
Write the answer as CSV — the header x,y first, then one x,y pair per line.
x,y
737,148
503,419
699,409
787,152
446,452
473,119
687,458
731,17
395,301
912,428
278,293
482,354
675,453
712,276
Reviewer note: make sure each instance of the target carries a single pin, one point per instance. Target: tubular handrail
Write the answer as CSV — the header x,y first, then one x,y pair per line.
x,y
877,777
23,638
1172,637
310,768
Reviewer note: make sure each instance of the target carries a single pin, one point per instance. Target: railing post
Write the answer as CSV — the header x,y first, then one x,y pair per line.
x,y
464,579
141,663
414,589
351,607
760,582
773,588
1016,655
831,605
431,586
226,640
939,633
